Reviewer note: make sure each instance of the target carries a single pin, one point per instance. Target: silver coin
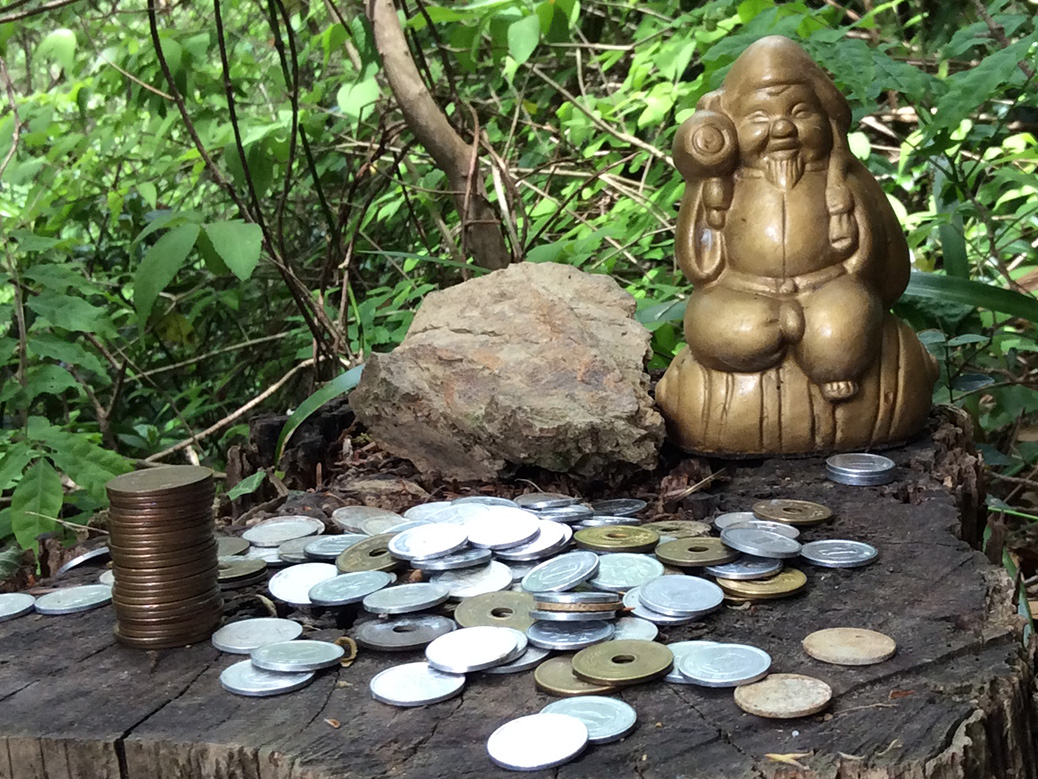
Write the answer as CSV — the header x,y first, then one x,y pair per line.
x,y
275,532
430,540
618,507
562,573
519,571
400,528
569,636
681,596
760,543
349,517
567,514
94,554
539,501
620,571
471,649
632,598
733,518
746,569
531,658
376,526
107,577
552,539
293,551
502,528
570,616
243,678
522,643
415,684
486,500
607,719
537,741
466,558
680,649
860,469
74,599
15,604
293,584
347,588
327,548
410,631
724,665
602,521
643,612
763,524
268,554
296,656
578,597
838,553
469,582
405,598
240,638
428,511
635,627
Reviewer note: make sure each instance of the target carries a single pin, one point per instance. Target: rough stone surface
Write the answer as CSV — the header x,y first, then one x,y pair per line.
x,y
537,364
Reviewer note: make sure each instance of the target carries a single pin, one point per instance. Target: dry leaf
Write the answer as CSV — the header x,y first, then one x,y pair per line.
x,y
334,723
895,694
790,758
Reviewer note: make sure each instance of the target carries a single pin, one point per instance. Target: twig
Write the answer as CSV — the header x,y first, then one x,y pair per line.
x,y
35,11
1014,479
213,353
673,497
136,80
16,132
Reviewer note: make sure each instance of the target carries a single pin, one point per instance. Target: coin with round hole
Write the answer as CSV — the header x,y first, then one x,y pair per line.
x,y
624,662
402,633
617,538
678,528
695,552
787,582
369,555
555,676
496,609
794,512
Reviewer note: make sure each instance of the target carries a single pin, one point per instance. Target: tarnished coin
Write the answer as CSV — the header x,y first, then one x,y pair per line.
x,y
780,585
621,571
746,568
415,684
350,517
292,585
240,638
552,539
760,543
635,627
537,741
72,600
486,500
849,646
834,553
555,676
569,636
538,501
623,662
531,657
606,719
500,527
397,634
680,649
465,558
293,551
244,678
789,531
296,656
327,548
405,598
678,528
681,596
562,573
618,507
347,588
469,582
860,469
237,568
617,538
784,696
733,518
496,609
794,512
226,546
471,649
429,540
724,665
428,512
576,512
15,604
696,552
370,555
276,531
571,616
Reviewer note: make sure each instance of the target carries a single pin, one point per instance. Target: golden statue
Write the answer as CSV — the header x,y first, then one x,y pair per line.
x,y
796,257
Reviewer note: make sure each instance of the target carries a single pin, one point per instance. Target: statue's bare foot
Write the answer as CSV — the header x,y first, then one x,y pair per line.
x,y
840,390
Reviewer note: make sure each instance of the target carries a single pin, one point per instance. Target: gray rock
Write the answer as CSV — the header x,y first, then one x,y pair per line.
x,y
537,364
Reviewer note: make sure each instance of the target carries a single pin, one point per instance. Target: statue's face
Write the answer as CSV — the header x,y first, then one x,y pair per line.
x,y
783,123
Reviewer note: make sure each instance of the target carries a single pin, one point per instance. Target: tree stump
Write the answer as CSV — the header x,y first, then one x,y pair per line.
x,y
955,701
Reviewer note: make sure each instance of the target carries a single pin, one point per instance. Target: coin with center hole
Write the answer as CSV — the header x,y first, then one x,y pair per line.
x,y
471,649
681,596
617,538
784,696
429,540
349,517
562,573
327,548
746,568
397,634
243,678
531,657
469,582
786,582
555,677
537,741
15,604
551,539
849,646
618,507
347,588
72,600
226,546
635,627
860,469
502,528
275,532
496,609
606,719
292,585
569,636
539,501
624,662
680,649
763,524
678,528
296,656
240,638
724,665
760,543
292,552
795,512
428,512
465,558
486,500
405,598
621,571
733,518
371,554
696,552
415,684
836,553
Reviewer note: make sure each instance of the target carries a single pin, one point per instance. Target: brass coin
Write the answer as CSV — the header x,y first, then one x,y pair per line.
x,y
160,522
623,662
173,610
696,552
172,642
180,620
580,607
555,676
123,558
228,546
232,570
206,624
849,646
144,579
617,538
784,696
170,572
780,585
166,542
679,528
158,481
168,599
792,512
371,554
506,609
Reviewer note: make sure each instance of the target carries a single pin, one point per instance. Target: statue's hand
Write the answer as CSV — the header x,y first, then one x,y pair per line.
x,y
706,146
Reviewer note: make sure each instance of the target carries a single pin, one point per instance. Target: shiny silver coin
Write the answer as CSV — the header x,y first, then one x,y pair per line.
x,y
680,649
500,527
296,656
472,649
401,527
466,558
429,540
327,548
486,500
292,585
268,554
724,665
522,643
243,678
681,596
607,719
347,588
602,521
293,551
567,514
529,659
240,638
578,597
632,598
733,518
860,469
275,532
405,598
397,634
537,741
15,604
459,513
100,554
643,612
428,512
107,577
635,627
746,569
539,501
570,616
763,524
350,517
618,507
621,571
562,573
519,571
569,636
376,526
838,553
72,600
415,684
552,539
470,582
760,543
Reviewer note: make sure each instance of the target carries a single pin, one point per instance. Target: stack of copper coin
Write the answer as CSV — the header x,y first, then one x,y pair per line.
x,y
164,558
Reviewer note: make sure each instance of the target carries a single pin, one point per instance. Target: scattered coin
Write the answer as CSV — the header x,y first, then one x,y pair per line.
x,y
465,558
293,551
733,518
576,512
760,543
786,582
617,538
496,609
789,531
562,573
15,604
849,646
618,507
723,665
71,600
784,696
238,569
745,568
695,552
555,676
107,577
681,596
369,555
471,649
532,657
98,554
601,521
292,585
502,528
415,684
349,517
571,616
623,662
539,501
860,469
795,512
428,512
396,634
621,571
537,741
635,627
243,678
552,538
405,598
578,601
347,588
680,649
240,638
274,532
569,636
643,612
227,546
468,582
296,656
328,548
834,553
429,540
606,719
267,554
678,528
486,500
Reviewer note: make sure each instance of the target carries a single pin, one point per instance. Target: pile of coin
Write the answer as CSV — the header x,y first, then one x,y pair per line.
x,y
164,556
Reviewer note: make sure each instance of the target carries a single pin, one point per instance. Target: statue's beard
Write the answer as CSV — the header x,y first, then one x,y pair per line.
x,y
783,172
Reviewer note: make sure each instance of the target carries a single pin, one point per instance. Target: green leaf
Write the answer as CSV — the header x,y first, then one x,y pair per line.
x,y
12,464
238,244
59,46
357,98
49,379
69,312
333,389
247,486
159,266
523,37
35,504
88,465
953,247
148,193
66,351
930,286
